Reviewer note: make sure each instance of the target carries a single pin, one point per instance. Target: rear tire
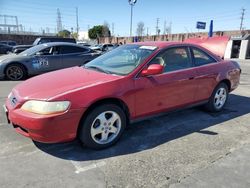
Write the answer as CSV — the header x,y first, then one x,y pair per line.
x,y
218,98
15,72
103,126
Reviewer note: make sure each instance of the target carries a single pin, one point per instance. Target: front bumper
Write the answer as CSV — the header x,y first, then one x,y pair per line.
x,y
2,75
46,128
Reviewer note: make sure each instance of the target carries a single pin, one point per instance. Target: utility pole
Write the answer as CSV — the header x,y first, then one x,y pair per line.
x,y
147,31
157,26
170,28
77,26
242,18
59,20
165,27
132,3
113,29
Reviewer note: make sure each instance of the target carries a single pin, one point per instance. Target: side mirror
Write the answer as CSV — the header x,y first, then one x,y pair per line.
x,y
152,70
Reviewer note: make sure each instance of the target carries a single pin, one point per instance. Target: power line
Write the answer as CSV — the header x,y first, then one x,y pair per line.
x,y
242,18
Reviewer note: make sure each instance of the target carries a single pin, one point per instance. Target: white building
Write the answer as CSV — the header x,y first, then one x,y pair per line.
x,y
83,35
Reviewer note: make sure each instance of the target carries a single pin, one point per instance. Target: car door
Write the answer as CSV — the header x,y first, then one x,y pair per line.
x,y
75,56
175,87
207,72
47,59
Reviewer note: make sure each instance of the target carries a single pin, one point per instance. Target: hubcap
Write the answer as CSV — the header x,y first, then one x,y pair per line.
x,y
220,98
14,73
106,127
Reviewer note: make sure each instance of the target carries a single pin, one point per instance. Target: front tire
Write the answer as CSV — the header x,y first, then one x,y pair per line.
x,y
103,126
218,98
15,72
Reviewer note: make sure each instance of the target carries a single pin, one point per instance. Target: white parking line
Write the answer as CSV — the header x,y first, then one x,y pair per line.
x,y
79,168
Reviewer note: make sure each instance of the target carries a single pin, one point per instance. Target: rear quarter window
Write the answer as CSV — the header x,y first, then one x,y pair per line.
x,y
201,57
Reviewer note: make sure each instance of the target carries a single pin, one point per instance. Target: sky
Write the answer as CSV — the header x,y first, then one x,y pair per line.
x,y
182,15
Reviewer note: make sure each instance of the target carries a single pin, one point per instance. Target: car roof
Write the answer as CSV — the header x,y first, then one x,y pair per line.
x,y
164,44
49,44
159,44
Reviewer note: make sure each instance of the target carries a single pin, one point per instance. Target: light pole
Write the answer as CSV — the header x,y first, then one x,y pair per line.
x,y
132,3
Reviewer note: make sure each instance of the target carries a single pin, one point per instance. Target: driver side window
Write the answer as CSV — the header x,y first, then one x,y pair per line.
x,y
173,59
47,51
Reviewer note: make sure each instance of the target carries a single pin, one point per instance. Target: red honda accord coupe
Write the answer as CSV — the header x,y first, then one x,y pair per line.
x,y
135,81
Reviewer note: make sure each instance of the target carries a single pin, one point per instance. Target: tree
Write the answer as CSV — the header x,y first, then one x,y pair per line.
x,y
99,31
140,29
74,35
64,33
95,32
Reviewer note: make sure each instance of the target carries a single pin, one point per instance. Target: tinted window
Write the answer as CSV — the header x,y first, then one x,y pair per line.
x,y
12,43
173,59
43,41
201,58
47,51
72,49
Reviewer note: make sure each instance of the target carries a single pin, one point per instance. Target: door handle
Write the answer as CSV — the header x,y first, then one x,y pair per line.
x,y
191,78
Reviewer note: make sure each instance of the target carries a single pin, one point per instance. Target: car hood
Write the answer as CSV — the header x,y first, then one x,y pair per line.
x,y
50,85
12,57
4,57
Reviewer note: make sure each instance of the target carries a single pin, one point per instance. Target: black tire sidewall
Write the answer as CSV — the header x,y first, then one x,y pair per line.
x,y
85,135
16,65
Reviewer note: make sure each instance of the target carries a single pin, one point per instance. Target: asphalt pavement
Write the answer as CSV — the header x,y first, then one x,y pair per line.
x,y
189,148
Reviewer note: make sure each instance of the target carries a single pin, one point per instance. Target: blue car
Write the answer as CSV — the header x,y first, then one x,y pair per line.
x,y
44,58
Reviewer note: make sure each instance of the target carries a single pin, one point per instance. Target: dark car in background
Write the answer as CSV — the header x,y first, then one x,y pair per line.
x,y
41,40
44,58
8,42
4,48
103,47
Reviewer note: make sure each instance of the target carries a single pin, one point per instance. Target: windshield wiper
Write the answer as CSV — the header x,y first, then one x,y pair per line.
x,y
97,68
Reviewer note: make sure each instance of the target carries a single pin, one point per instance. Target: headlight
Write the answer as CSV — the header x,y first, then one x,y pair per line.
x,y
45,108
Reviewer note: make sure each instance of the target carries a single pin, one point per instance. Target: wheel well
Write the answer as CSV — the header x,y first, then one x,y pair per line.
x,y
115,101
16,63
228,83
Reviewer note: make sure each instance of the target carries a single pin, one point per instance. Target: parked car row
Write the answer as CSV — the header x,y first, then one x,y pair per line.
x,y
104,47
41,40
55,53
5,48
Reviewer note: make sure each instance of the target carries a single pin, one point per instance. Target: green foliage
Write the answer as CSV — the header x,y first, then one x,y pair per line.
x,y
64,33
75,35
99,31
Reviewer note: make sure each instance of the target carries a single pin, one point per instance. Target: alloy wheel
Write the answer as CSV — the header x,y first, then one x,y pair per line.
x,y
105,127
14,72
220,98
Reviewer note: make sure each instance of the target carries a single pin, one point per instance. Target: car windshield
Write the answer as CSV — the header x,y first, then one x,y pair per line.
x,y
33,50
122,60
36,41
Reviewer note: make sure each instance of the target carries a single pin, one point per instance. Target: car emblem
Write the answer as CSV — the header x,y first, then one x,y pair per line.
x,y
13,100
